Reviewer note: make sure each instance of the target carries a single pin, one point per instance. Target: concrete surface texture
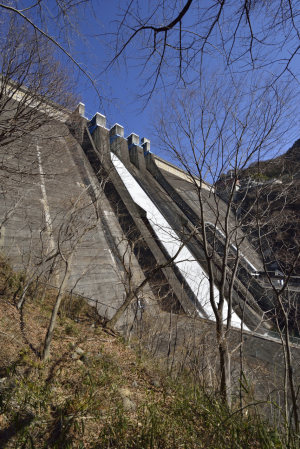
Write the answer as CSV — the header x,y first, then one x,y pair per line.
x,y
65,190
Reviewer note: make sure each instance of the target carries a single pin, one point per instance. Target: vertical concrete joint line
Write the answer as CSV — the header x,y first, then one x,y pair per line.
x,y
45,200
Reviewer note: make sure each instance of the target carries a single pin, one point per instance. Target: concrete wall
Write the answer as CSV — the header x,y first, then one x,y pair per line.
x,y
45,177
182,211
63,166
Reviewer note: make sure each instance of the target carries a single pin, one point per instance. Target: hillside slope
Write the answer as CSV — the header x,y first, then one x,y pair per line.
x,y
98,392
277,207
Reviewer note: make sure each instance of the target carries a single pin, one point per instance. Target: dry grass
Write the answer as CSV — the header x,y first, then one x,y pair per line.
x,y
66,403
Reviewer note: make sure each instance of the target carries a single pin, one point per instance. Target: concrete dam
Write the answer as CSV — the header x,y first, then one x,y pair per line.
x,y
146,208
74,189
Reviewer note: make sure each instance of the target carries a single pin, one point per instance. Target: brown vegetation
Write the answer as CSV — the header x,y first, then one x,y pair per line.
x,y
110,394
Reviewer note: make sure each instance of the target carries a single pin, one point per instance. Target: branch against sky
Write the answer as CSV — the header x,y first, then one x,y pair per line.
x,y
175,41
66,26
166,44
30,73
208,131
225,123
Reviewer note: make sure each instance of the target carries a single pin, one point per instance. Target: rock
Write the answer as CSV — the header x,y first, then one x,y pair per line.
x,y
85,359
140,424
79,351
98,356
134,384
155,383
79,362
72,345
92,326
75,356
124,392
128,405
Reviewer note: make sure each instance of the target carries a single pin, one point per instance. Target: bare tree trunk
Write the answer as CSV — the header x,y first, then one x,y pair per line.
x,y
111,324
285,388
128,336
62,289
225,387
290,372
22,299
242,358
71,303
36,288
46,282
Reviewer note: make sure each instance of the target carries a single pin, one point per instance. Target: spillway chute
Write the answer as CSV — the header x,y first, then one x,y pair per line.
x,y
190,269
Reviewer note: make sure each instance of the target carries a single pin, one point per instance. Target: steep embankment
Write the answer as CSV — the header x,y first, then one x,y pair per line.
x,y
96,391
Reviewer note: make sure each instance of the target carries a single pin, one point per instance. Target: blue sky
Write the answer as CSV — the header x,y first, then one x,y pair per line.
x,y
119,86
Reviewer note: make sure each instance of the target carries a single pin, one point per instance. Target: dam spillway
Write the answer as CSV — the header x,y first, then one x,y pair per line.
x,y
81,162
188,266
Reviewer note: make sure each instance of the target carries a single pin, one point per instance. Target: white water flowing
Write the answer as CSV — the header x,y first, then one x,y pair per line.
x,y
190,269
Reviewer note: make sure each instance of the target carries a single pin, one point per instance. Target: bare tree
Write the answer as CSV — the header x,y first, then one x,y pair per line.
x,y
36,93
35,90
208,132
173,41
34,87
74,228
274,228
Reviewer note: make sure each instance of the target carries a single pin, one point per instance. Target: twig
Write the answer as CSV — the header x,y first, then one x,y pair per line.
x,y
69,338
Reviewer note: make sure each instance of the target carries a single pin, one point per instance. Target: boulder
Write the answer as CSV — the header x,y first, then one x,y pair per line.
x,y
124,392
79,362
79,351
128,405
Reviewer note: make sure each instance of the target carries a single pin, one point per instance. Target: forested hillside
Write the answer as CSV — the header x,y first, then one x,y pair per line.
x,y
276,214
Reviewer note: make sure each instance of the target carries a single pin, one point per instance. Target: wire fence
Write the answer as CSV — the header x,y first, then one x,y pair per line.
x,y
268,335
71,292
